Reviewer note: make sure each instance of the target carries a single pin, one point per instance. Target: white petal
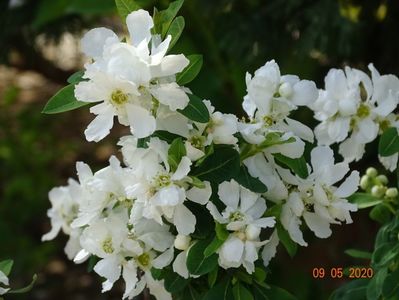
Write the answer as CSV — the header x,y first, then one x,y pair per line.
x,y
142,123
349,186
164,259
320,195
81,256
184,220
170,94
229,193
130,276
232,249
182,169
300,130
179,265
168,196
139,24
3,278
305,93
110,269
158,52
248,199
215,213
200,195
338,129
157,288
170,65
270,248
291,223
368,130
100,127
321,157
295,203
93,41
250,256
318,225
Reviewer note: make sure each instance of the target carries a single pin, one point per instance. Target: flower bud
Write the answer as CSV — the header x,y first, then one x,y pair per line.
x,y
371,172
365,182
285,90
391,192
252,232
378,191
382,179
182,242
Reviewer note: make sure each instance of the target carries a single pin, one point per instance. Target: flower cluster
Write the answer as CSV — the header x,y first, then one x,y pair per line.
x,y
198,189
354,109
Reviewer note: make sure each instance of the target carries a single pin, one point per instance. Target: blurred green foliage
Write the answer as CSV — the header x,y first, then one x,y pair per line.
x,y
306,37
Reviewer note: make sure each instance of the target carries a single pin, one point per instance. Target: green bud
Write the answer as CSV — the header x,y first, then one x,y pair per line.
x,y
382,179
365,182
391,192
378,191
371,172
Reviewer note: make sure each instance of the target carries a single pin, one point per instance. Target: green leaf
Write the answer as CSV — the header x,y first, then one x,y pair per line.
x,y
221,231
125,7
380,213
354,290
63,100
205,223
271,293
389,142
197,263
48,11
191,294
213,247
374,289
220,291
273,211
174,283
163,19
358,253
166,136
76,77
157,274
241,293
175,30
391,284
212,277
274,138
191,71
91,7
385,254
25,289
195,110
297,165
91,263
288,243
259,275
251,183
175,153
222,165
6,266
364,200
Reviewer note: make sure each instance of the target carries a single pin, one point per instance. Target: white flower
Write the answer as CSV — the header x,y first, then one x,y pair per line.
x,y
243,217
4,281
316,199
129,79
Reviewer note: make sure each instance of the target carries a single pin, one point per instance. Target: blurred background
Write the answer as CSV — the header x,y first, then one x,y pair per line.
x,y
39,49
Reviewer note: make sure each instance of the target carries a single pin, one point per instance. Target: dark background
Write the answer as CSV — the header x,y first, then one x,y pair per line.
x,y
39,50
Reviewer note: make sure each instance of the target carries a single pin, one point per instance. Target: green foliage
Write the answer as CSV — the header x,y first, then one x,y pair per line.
x,y
220,237
175,30
241,293
76,77
389,142
358,253
197,262
251,183
6,266
297,165
174,283
163,19
175,153
191,71
125,7
64,100
220,166
195,110
285,239
364,200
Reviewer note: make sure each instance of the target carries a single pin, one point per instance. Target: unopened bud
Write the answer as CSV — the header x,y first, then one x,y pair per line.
x,y
378,191
285,90
182,242
382,179
371,172
252,232
365,182
391,192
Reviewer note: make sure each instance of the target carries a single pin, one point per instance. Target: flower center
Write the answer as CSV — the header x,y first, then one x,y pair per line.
x,y
107,245
236,216
197,141
162,180
144,259
363,111
384,125
268,121
118,97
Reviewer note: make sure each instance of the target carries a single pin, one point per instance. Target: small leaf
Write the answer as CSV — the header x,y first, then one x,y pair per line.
x,y
191,71
163,19
175,153
251,183
76,77
259,275
197,263
374,289
175,30
385,254
125,7
213,247
364,200
241,293
166,136
390,286
6,266
358,253
174,283
195,110
380,213
284,237
63,100
389,142
297,165
25,289
221,291
221,231
212,277
271,293
222,165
